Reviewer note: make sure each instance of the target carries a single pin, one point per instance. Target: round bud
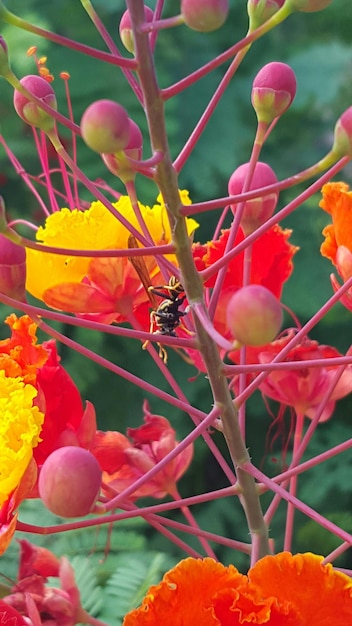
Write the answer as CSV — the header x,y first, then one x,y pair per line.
x,y
117,164
204,15
254,315
31,112
274,88
343,135
258,210
69,481
105,126
259,11
308,6
125,28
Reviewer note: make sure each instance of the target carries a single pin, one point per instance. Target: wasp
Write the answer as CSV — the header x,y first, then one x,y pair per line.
x,y
166,316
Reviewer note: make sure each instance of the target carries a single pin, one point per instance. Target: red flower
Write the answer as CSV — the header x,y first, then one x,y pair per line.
x,y
305,388
125,460
271,265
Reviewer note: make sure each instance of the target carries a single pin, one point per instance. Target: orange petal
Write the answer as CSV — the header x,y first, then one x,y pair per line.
x,y
321,595
337,200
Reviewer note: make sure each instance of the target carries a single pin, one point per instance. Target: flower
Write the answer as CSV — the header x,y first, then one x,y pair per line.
x,y
105,289
271,266
39,603
41,410
305,388
124,461
337,201
280,590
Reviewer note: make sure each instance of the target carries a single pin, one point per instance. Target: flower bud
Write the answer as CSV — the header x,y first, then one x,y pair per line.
x,y
69,481
254,315
12,269
125,28
31,112
308,6
343,135
117,164
258,210
274,88
105,126
204,15
259,11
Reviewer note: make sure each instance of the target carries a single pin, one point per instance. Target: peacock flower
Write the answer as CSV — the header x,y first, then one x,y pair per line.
x,y
126,459
20,427
106,289
304,389
280,590
271,267
337,201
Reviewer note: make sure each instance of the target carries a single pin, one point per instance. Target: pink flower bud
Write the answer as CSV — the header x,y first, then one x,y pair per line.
x,y
308,6
117,164
204,15
254,315
274,88
105,126
29,111
12,269
258,210
259,11
125,28
343,135
69,481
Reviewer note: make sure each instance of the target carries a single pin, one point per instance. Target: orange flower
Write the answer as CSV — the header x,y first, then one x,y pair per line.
x,y
280,590
337,200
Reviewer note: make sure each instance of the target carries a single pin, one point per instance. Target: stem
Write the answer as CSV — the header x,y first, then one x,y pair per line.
x,y
166,177
293,483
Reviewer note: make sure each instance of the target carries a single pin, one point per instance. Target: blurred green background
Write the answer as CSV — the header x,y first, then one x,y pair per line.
x,y
318,47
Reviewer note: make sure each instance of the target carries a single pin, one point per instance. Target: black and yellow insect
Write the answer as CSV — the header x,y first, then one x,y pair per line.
x,y
165,316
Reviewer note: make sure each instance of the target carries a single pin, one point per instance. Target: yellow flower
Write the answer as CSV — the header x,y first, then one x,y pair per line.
x,y
20,427
96,229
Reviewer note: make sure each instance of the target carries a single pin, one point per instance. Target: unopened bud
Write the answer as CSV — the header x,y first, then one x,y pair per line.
x,y
343,135
204,15
105,126
12,269
259,11
274,88
125,28
70,481
254,315
117,164
30,111
258,210
308,6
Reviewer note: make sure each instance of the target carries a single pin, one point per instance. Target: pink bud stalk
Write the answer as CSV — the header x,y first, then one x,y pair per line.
x,y
125,28
259,11
105,127
31,112
258,210
254,315
273,91
204,15
308,6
